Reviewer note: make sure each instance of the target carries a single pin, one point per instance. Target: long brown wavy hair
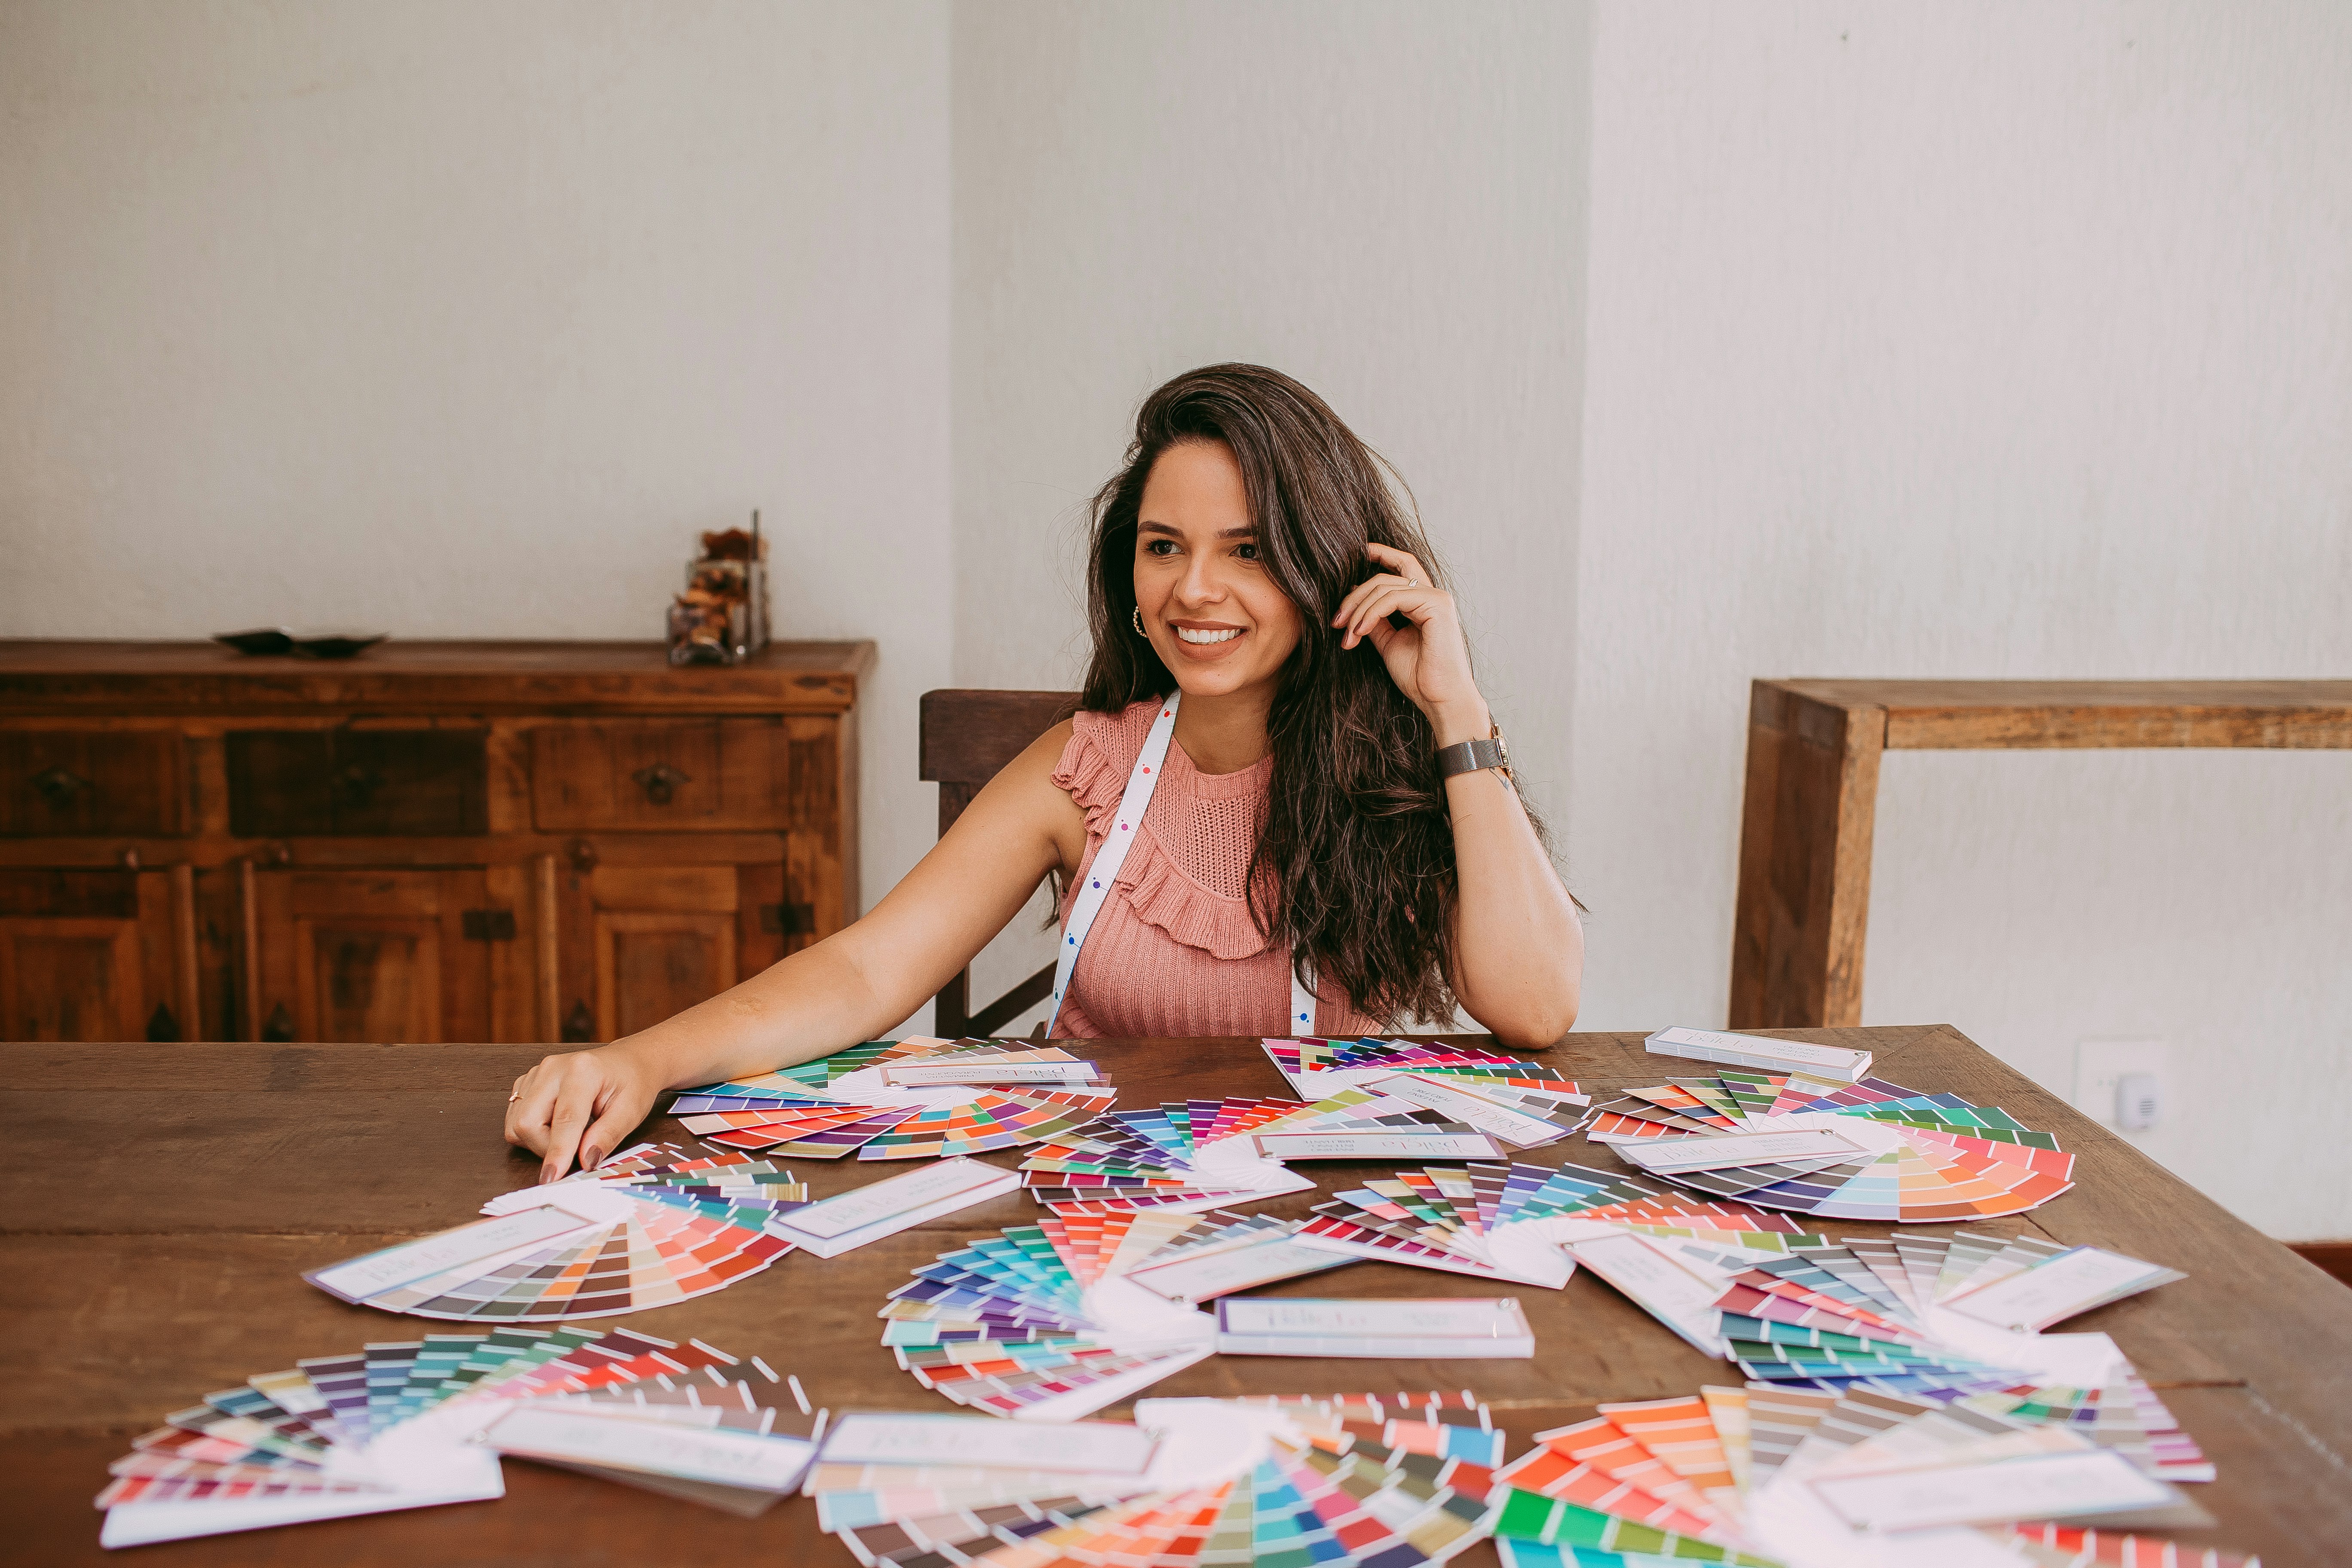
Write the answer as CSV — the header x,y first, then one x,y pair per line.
x,y
1354,865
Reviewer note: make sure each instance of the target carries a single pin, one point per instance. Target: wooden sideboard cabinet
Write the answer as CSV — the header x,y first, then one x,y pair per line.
x,y
434,841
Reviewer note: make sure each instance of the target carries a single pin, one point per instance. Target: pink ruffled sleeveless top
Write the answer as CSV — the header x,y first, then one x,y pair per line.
x,y
1173,951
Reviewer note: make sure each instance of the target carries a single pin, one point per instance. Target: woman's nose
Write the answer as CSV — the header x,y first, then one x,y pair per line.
x,y
1200,584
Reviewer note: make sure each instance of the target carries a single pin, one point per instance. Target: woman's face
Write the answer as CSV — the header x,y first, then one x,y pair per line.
x,y
1215,617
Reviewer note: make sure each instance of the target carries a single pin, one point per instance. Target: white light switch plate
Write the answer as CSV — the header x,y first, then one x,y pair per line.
x,y
2100,1065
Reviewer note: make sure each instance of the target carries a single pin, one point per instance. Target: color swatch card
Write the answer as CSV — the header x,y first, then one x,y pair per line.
x,y
1764,1475
1519,1104
1808,1311
852,1219
1207,1154
1054,1321
1445,1327
650,1226
1392,1480
1503,1221
1810,1144
403,1425
2051,1289
902,1099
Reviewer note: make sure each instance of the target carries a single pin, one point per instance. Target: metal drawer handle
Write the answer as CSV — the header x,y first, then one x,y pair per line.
x,y
660,782
58,787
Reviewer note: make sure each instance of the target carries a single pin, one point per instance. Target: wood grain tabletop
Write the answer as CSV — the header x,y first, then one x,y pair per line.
x,y
164,1200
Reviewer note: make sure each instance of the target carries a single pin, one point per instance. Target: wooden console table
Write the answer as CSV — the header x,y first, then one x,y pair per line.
x,y
510,841
1812,790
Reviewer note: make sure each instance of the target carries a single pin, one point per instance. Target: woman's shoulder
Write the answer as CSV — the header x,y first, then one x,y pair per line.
x,y
1099,752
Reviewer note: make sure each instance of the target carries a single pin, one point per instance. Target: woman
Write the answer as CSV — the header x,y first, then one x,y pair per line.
x,y
1271,640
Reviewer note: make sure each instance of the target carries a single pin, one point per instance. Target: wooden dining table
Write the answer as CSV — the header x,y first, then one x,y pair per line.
x,y
164,1200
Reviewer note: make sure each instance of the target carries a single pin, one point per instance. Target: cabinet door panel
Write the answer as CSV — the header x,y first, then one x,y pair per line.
x,y
653,965
70,980
91,955
368,980
377,956
92,783
642,943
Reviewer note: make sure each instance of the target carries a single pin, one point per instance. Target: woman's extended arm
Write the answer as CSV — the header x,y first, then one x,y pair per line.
x,y
1518,946
833,994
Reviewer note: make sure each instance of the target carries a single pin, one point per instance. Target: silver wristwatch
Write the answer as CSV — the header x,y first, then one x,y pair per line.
x,y
1470,756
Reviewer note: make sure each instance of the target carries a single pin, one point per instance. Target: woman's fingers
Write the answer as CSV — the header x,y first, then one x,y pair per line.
x,y
1353,608
616,1119
1356,594
1417,605
1403,571
1373,607
1399,562
557,1102
573,1108
527,1114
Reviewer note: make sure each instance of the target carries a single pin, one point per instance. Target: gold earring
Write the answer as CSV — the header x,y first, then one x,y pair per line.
x,y
1138,613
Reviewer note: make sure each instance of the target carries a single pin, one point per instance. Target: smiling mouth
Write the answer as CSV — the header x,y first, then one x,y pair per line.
x,y
1191,636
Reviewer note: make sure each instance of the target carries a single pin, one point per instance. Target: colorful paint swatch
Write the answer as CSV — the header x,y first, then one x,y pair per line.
x,y
920,1098
1767,1476
1054,1321
1204,1153
1491,1221
1519,1104
392,1425
1905,1157
651,1227
1393,1480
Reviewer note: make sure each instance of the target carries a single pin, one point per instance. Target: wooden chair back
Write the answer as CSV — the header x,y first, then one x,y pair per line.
x,y
967,739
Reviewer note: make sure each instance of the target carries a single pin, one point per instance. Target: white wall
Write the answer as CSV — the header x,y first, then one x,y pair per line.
x,y
456,320
1998,340
1384,200
2003,339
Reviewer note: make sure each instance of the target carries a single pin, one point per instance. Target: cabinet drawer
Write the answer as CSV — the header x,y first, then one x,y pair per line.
x,y
364,783
92,783
650,776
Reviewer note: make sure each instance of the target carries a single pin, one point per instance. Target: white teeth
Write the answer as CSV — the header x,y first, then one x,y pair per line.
x,y
1189,635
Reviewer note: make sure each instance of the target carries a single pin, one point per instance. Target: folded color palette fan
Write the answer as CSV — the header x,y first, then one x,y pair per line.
x,y
1523,1104
1871,1150
1053,1321
1345,1481
1205,1153
422,1422
1501,1222
650,1226
1763,1475
902,1099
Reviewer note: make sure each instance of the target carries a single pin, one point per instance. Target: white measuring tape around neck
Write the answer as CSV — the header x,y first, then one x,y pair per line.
x,y
1133,804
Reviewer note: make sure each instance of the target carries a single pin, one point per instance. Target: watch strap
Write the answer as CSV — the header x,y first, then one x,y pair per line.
x,y
1470,756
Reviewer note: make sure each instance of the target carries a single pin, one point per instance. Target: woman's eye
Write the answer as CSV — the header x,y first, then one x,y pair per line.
x,y
1160,547
1247,551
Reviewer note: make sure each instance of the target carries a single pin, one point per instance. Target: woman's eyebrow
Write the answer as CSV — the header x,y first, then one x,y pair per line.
x,y
1244,531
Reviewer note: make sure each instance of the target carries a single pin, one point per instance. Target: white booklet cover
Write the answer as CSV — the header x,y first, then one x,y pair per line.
x,y
838,1225
2051,1292
765,1462
1759,1052
1441,1328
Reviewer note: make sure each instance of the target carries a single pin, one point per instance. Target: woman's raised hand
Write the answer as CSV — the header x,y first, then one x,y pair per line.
x,y
581,1102
1427,658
